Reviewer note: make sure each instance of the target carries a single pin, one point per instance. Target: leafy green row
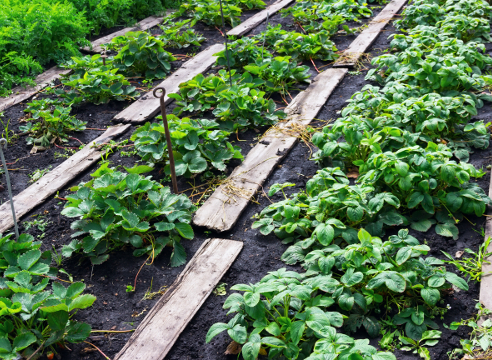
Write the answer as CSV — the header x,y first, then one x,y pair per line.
x,y
408,144
36,311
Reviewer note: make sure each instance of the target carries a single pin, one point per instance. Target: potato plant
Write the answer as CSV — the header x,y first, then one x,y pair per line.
x,y
285,316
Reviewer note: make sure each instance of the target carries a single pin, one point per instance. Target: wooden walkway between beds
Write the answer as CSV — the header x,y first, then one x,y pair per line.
x,y
162,326
56,179
258,18
359,46
148,106
222,210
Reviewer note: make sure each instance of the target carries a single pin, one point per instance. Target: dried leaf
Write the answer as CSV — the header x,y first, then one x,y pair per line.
x,y
459,254
353,173
263,352
233,348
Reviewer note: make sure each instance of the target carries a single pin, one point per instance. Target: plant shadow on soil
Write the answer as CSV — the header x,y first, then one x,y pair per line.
x,y
115,309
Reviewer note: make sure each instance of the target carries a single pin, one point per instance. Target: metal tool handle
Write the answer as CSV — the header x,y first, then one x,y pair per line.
x,y
168,136
3,144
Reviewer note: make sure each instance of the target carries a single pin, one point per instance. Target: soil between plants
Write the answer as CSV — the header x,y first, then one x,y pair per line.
x,y
115,309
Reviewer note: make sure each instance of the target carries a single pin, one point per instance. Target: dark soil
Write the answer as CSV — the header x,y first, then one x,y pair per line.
x,y
118,310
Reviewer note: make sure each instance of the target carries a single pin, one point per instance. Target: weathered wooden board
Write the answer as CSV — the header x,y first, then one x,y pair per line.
x,y
148,106
221,211
162,326
145,24
57,178
42,80
365,39
258,18
485,296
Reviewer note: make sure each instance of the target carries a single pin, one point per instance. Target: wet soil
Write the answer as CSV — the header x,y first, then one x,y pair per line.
x,y
118,310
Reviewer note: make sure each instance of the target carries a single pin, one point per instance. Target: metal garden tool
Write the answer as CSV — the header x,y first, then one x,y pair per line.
x,y
168,137
3,144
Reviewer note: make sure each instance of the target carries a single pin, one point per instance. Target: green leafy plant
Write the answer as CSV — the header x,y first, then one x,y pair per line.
x,y
33,318
98,85
49,122
472,266
196,145
180,34
429,338
368,272
239,106
279,73
141,54
479,343
300,46
242,52
209,11
284,316
117,209
38,174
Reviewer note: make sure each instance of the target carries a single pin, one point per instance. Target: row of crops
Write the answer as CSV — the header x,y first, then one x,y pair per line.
x,y
409,141
35,34
122,208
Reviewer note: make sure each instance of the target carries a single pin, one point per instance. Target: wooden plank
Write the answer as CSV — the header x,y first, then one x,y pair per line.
x,y
42,80
221,211
258,18
365,39
148,106
53,181
145,24
160,329
485,295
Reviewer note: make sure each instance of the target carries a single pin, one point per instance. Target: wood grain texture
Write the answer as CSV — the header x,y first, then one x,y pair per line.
x,y
53,181
145,24
20,94
258,18
365,39
148,106
162,326
221,211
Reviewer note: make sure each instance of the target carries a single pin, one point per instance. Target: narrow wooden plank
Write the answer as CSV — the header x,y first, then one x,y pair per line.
x,y
42,80
258,18
221,211
162,326
485,295
365,39
145,24
53,181
148,106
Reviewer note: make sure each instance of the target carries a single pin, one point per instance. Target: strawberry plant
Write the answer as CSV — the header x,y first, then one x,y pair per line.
x,y
118,209
285,317
34,318
421,12
196,144
49,122
141,54
98,85
237,107
279,73
209,11
300,46
180,34
242,52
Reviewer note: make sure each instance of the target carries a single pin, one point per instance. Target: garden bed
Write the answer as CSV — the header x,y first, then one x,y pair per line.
x,y
117,310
